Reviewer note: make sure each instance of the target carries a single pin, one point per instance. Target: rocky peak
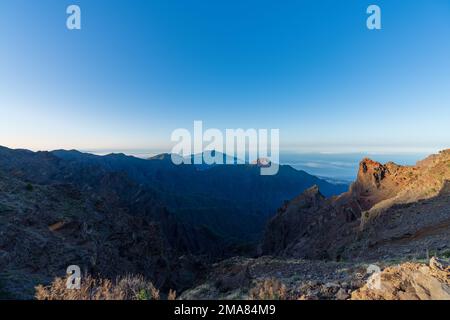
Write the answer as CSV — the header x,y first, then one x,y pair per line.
x,y
409,184
310,198
313,194
376,182
372,172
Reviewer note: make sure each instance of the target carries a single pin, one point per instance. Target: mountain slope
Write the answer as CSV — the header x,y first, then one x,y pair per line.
x,y
200,211
388,205
46,228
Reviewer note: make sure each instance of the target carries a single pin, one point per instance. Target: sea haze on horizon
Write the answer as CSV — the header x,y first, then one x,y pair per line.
x,y
337,166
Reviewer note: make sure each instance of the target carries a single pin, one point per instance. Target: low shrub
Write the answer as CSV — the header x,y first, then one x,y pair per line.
x,y
124,288
268,289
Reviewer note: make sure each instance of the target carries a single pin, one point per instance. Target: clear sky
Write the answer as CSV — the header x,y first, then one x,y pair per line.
x,y
140,69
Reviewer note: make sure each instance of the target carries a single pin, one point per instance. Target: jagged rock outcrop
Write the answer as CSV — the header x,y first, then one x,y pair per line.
x,y
409,281
377,182
389,211
409,184
312,227
293,220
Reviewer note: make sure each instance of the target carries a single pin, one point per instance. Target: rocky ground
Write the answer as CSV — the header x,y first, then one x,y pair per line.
x,y
272,278
237,278
409,281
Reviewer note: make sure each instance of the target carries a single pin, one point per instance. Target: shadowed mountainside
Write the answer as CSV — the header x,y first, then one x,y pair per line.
x,y
116,215
228,203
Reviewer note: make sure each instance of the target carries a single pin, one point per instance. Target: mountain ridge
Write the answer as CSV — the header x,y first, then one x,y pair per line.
x,y
203,200
312,226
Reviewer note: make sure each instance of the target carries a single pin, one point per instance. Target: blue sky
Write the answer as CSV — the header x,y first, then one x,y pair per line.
x,y
140,69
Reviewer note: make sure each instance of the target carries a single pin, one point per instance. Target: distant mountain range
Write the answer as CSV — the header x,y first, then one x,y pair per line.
x,y
230,203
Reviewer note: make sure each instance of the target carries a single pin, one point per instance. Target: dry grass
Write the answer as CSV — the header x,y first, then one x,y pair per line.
x,y
172,295
269,289
125,288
